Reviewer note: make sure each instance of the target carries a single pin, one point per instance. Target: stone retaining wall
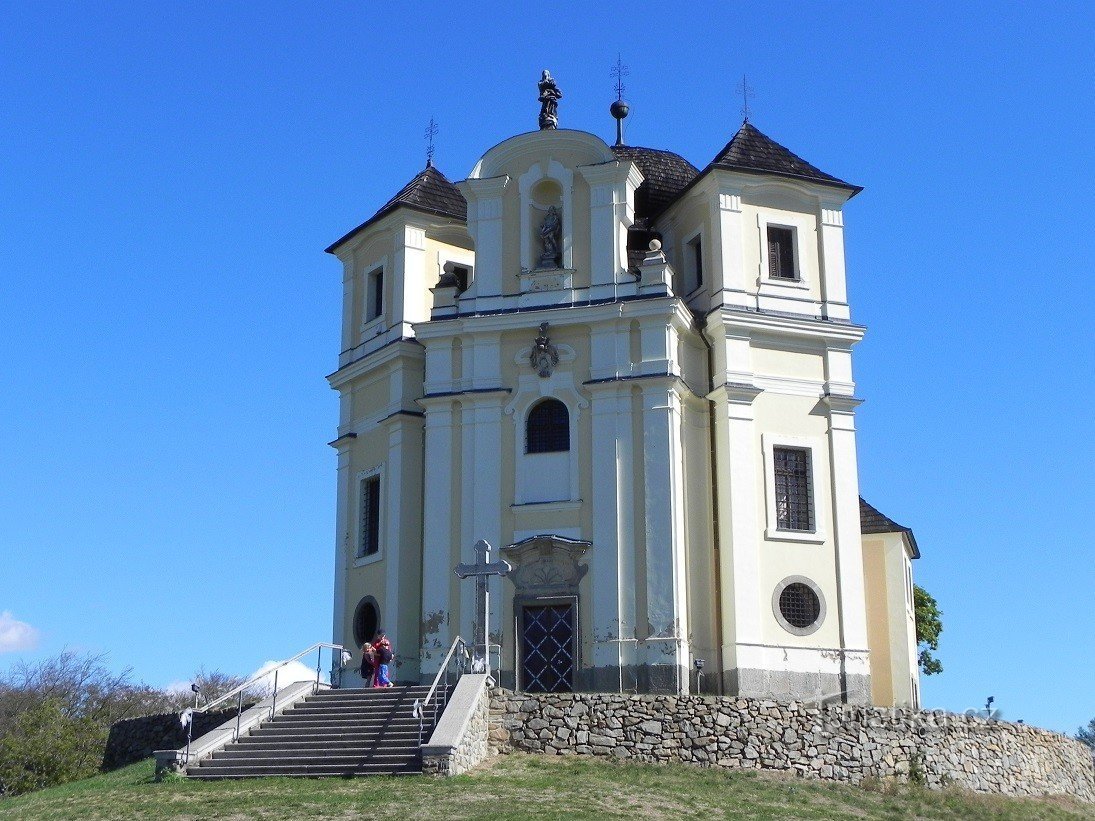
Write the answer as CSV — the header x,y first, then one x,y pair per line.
x,y
135,739
458,744
837,743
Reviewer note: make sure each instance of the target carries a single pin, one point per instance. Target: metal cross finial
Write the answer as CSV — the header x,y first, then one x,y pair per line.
x,y
431,131
481,571
745,90
619,71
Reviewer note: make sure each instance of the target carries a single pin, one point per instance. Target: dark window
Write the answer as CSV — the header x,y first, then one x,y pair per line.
x,y
781,253
370,516
548,428
799,605
794,510
366,620
695,248
376,294
461,273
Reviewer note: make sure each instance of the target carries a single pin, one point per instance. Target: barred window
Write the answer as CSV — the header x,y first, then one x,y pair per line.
x,y
370,517
794,506
781,254
799,605
548,428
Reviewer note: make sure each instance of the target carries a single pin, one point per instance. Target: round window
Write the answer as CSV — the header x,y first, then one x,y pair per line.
x,y
366,620
798,605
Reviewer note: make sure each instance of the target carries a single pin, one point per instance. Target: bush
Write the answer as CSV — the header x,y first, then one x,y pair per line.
x,y
44,747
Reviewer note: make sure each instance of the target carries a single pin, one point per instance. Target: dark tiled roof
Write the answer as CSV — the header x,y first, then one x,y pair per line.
x,y
754,152
665,174
872,521
430,192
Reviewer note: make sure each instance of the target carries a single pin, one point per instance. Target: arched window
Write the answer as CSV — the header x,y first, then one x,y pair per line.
x,y
548,428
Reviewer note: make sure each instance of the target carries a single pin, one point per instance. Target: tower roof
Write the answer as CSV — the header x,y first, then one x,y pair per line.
x,y
873,521
665,176
756,153
429,192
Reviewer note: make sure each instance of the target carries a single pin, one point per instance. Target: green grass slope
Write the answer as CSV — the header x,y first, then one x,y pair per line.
x,y
519,787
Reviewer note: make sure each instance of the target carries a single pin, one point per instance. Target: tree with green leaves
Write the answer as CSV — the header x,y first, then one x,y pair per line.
x,y
1087,735
929,625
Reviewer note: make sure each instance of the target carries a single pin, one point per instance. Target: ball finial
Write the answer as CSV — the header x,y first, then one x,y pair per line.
x,y
655,245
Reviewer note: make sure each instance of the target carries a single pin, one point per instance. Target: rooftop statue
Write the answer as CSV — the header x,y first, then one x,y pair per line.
x,y
549,101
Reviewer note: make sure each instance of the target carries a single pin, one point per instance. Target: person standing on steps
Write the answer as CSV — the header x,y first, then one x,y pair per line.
x,y
368,664
383,653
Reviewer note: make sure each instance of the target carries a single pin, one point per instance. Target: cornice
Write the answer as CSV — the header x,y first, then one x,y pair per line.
x,y
404,346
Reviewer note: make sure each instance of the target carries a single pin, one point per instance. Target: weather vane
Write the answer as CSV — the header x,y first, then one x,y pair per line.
x,y
619,71
745,90
431,131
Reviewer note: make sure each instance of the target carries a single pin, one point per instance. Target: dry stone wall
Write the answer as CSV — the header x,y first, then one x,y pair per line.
x,y
837,743
135,739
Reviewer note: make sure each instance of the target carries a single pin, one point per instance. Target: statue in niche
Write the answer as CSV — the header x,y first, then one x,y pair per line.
x,y
549,101
551,235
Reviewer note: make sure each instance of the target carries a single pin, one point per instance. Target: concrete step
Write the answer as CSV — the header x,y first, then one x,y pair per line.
x,y
348,709
327,727
366,737
342,762
300,771
361,752
357,752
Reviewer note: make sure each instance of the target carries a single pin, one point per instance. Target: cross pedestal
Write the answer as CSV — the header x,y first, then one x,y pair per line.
x,y
482,570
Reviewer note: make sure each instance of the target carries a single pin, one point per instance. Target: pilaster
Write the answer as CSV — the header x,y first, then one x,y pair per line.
x,y
613,560
726,212
437,550
667,650
342,542
834,292
849,547
612,196
739,530
485,208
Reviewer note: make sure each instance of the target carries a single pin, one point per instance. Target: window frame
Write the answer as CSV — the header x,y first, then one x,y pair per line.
x,y
803,458
799,281
360,557
547,400
374,294
814,447
693,248
777,612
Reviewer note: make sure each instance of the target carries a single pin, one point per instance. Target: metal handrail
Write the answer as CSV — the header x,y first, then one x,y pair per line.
x,y
243,687
239,691
442,673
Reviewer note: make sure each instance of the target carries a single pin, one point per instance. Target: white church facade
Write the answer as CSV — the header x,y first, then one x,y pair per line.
x,y
633,378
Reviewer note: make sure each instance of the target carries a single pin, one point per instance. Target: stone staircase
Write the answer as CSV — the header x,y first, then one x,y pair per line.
x,y
332,733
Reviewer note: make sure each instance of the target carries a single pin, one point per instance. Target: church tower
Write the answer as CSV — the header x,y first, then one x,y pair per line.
x,y
633,378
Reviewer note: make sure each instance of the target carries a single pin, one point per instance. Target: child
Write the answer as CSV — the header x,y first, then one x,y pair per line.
x,y
368,664
384,655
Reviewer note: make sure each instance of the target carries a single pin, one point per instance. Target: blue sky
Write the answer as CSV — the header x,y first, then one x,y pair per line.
x,y
169,177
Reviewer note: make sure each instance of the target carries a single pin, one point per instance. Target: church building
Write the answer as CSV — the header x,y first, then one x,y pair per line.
x,y
632,377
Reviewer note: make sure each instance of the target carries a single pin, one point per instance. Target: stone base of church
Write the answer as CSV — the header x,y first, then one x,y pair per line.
x,y
790,685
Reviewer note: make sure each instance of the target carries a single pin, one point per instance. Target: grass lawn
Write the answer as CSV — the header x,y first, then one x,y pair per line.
x,y
519,787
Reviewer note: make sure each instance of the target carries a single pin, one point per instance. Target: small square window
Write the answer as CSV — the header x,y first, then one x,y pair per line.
x,y
794,503
781,253
374,295
369,543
